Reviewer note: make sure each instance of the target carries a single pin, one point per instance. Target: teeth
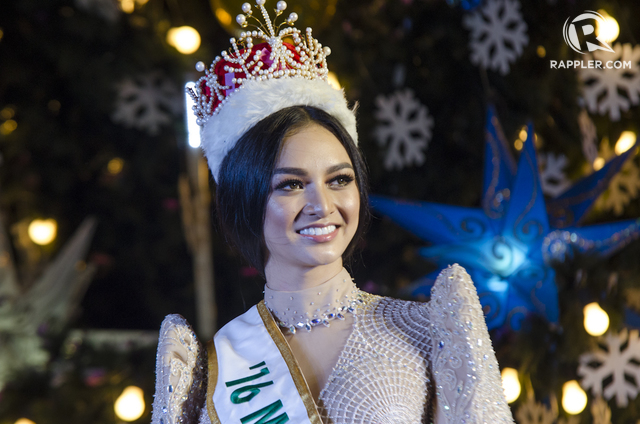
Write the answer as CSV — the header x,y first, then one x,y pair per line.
x,y
318,231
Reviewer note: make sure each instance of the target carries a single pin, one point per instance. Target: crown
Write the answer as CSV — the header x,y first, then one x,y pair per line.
x,y
273,58
251,81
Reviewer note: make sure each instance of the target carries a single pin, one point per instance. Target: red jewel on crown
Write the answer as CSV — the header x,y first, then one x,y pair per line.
x,y
274,58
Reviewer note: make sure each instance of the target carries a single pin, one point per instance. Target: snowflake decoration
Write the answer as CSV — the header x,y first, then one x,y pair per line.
x,y
498,34
600,411
405,125
552,178
146,102
589,137
615,361
107,9
532,412
623,187
612,90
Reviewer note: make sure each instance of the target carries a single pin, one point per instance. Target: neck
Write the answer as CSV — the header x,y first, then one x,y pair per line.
x,y
299,278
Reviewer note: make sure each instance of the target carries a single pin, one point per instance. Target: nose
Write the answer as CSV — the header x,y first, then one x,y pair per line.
x,y
319,202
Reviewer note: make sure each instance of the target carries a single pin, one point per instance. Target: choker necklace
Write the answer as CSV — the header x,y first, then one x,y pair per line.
x,y
322,314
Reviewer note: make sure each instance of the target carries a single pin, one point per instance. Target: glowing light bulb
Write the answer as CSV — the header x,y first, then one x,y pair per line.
x,y
523,134
127,6
185,39
130,405
193,130
42,231
610,30
596,320
115,166
518,144
24,421
598,163
574,399
8,127
625,142
333,80
510,384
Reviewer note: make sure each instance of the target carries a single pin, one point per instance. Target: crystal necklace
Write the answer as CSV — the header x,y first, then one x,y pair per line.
x,y
308,308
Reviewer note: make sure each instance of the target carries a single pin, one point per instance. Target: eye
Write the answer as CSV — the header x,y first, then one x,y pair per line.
x,y
290,185
342,180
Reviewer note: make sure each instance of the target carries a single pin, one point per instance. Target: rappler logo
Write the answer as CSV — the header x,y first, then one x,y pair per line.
x,y
580,34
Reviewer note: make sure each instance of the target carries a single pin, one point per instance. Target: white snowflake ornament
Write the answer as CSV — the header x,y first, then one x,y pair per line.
x,y
615,361
612,90
404,127
552,177
498,34
146,102
532,412
623,187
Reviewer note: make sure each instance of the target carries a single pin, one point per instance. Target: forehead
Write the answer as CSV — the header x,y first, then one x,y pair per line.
x,y
312,145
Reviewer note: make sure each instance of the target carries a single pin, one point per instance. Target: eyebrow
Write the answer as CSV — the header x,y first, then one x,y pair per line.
x,y
301,172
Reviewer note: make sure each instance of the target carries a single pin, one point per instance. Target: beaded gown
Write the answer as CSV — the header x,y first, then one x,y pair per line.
x,y
400,362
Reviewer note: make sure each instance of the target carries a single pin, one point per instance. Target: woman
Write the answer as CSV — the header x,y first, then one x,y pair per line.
x,y
292,197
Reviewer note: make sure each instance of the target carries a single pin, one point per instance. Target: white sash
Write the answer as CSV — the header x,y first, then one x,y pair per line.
x,y
253,376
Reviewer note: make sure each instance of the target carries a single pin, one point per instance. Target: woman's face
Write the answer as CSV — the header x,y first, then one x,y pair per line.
x,y
313,209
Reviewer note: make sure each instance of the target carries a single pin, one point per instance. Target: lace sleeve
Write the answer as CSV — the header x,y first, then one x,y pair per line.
x,y
467,379
180,374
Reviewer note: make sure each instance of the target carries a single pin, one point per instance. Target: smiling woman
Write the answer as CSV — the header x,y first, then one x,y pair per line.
x,y
292,197
263,159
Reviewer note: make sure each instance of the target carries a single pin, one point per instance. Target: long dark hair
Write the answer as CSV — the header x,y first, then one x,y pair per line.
x,y
244,181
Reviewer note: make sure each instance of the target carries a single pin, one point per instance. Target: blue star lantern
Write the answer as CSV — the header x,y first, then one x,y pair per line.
x,y
509,244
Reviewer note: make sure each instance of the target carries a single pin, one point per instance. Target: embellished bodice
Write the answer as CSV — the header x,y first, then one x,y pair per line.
x,y
412,362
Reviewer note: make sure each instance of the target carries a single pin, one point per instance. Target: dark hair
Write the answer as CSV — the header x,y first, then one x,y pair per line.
x,y
244,180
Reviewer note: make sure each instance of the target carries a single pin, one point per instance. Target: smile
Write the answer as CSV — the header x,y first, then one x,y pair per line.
x,y
317,231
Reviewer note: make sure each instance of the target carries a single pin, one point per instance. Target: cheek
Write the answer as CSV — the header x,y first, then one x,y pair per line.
x,y
278,218
352,207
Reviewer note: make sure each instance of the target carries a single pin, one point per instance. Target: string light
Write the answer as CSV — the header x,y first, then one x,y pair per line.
x,y
596,320
43,231
8,127
523,134
115,166
608,31
574,399
24,421
127,6
625,142
598,163
185,39
510,384
518,144
130,404
193,130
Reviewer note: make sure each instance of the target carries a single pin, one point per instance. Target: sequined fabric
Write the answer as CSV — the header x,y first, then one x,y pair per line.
x,y
465,371
180,374
411,362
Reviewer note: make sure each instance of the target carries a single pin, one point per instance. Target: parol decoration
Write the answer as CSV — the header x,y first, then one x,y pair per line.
x,y
509,243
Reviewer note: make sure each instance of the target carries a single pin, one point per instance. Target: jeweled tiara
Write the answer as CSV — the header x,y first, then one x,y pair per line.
x,y
252,81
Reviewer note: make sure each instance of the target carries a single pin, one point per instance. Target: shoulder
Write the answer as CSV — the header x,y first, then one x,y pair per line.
x,y
180,372
453,289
